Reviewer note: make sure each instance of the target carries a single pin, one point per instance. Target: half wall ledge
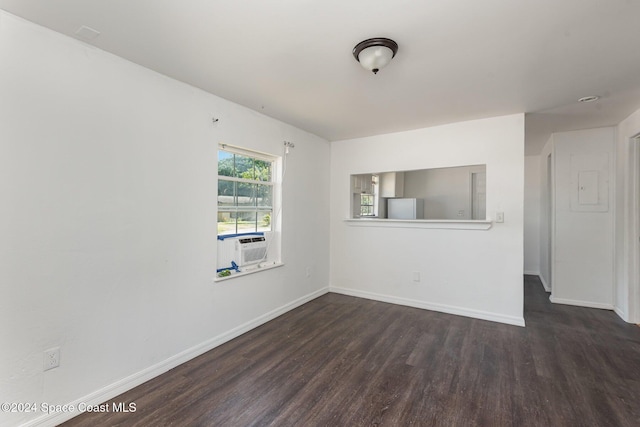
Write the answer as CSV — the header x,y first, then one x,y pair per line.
x,y
448,224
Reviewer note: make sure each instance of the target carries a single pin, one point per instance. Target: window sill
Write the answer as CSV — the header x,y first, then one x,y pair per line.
x,y
446,224
248,271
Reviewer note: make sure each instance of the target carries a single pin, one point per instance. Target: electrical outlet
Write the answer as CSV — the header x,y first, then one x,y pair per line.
x,y
461,212
51,358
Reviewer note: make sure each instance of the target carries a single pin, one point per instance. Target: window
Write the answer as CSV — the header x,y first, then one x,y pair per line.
x,y
245,192
366,205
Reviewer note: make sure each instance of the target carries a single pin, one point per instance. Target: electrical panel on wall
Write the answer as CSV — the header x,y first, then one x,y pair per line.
x,y
590,182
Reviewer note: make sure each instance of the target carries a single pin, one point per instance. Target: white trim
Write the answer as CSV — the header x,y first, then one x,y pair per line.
x,y
551,174
539,275
247,152
443,308
249,270
613,197
546,286
112,390
453,224
245,181
620,313
633,277
589,304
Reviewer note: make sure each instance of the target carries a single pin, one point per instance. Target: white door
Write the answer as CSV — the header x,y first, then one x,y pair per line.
x,y
479,195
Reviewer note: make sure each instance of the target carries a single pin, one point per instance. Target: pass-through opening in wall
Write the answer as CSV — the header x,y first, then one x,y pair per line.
x,y
449,193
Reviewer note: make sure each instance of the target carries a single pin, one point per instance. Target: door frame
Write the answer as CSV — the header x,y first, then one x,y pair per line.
x,y
472,193
551,220
634,223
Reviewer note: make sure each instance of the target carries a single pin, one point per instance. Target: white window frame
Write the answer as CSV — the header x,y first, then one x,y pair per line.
x,y
237,209
273,257
374,195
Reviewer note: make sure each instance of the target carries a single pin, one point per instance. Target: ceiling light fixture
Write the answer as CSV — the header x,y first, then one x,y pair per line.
x,y
590,98
374,54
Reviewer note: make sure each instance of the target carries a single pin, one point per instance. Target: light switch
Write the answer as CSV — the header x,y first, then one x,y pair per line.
x,y
499,216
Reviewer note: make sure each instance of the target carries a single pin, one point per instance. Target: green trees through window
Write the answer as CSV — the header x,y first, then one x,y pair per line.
x,y
245,193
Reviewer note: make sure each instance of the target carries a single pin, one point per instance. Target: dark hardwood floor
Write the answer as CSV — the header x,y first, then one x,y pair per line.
x,y
344,361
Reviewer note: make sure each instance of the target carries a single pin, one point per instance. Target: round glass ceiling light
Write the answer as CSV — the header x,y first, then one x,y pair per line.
x,y
375,54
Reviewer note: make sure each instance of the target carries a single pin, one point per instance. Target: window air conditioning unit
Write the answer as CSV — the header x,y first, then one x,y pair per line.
x,y
250,250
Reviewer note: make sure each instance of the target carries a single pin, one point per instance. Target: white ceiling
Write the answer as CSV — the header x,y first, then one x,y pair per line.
x,y
458,60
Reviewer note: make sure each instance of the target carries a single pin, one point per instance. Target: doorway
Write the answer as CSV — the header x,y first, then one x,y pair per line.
x,y
478,195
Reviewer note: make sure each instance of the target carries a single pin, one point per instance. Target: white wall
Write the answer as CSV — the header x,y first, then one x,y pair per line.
x,y
532,215
108,220
584,234
471,272
627,288
446,191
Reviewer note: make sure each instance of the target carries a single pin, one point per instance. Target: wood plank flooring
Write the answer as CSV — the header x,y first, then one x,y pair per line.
x,y
344,361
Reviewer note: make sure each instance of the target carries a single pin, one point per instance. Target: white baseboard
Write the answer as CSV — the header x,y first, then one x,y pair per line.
x,y
443,308
589,304
134,380
546,286
621,314
544,283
